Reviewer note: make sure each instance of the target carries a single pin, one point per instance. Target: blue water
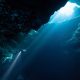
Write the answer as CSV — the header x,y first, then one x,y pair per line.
x,y
50,55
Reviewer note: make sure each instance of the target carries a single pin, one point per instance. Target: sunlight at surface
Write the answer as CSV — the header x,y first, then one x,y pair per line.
x,y
68,9
65,13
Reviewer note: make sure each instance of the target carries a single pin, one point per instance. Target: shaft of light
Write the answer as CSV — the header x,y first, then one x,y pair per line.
x,y
11,67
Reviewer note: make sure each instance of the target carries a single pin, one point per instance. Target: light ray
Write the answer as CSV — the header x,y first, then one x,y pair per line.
x,y
11,67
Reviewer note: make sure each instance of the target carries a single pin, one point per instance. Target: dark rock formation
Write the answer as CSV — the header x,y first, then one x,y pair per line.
x,y
18,17
38,11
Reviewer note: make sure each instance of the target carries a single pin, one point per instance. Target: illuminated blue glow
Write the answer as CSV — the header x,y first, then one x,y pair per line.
x,y
9,57
68,9
32,32
63,14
